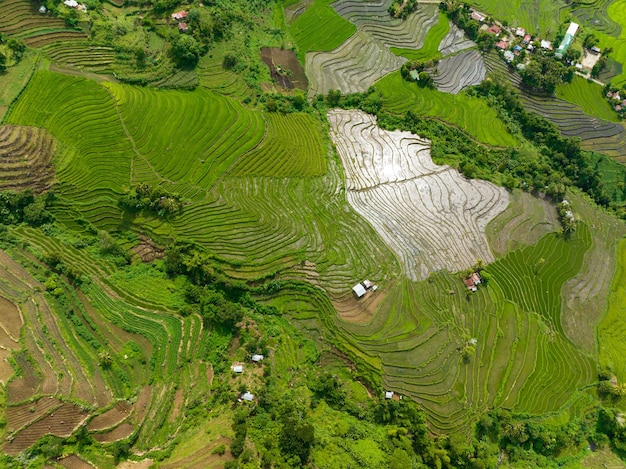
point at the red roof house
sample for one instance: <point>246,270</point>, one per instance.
<point>493,29</point>
<point>502,45</point>
<point>179,15</point>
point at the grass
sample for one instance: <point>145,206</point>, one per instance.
<point>430,49</point>
<point>13,81</point>
<point>612,328</point>
<point>542,17</point>
<point>470,114</point>
<point>615,38</point>
<point>319,28</point>
<point>587,95</point>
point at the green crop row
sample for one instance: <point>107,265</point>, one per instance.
<point>430,49</point>
<point>473,115</point>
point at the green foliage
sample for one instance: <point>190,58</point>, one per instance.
<point>320,28</point>
<point>25,207</point>
<point>546,73</point>
<point>186,51</point>
<point>402,9</point>
<point>155,200</point>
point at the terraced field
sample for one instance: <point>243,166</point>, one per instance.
<point>26,158</point>
<point>540,17</point>
<point>470,114</point>
<point>588,95</point>
<point>612,328</point>
<point>374,19</point>
<point>20,19</point>
<point>319,28</point>
<point>455,41</point>
<point>594,14</point>
<point>431,216</point>
<point>430,48</point>
<point>351,68</point>
<point>609,36</point>
<point>420,329</point>
<point>459,71</point>
<point>596,134</point>
<point>82,55</point>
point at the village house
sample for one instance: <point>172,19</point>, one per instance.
<point>182,27</point>
<point>502,45</point>
<point>526,39</point>
<point>179,15</point>
<point>546,44</point>
<point>248,396</point>
<point>359,290</point>
<point>237,368</point>
<point>521,32</point>
<point>477,17</point>
<point>389,395</point>
<point>494,29</point>
<point>257,358</point>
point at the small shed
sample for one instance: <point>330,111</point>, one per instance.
<point>238,368</point>
<point>257,358</point>
<point>70,3</point>
<point>248,396</point>
<point>389,395</point>
<point>546,44</point>
<point>595,50</point>
<point>368,284</point>
<point>475,278</point>
<point>182,27</point>
<point>359,290</point>
<point>43,10</point>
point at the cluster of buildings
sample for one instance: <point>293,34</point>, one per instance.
<point>616,100</point>
<point>360,289</point>
<point>511,42</point>
<point>181,17</point>
<point>472,281</point>
<point>237,368</point>
<point>71,4</point>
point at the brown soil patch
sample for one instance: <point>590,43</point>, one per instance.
<point>22,415</point>
<point>25,158</point>
<point>10,318</point>
<point>111,417</point>
<point>360,311</point>
<point>6,370</point>
<point>210,374</point>
<point>24,387</point>
<point>143,402</point>
<point>179,400</point>
<point>285,68</point>
<point>62,422</point>
<point>118,433</point>
<point>74,462</point>
<point>147,250</point>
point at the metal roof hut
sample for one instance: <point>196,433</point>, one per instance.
<point>359,290</point>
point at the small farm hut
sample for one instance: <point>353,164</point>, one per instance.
<point>257,358</point>
<point>238,368</point>
<point>389,395</point>
<point>359,290</point>
<point>183,27</point>
<point>42,10</point>
<point>248,396</point>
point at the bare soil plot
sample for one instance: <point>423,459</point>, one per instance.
<point>25,158</point>
<point>459,71</point>
<point>179,400</point>
<point>22,415</point>
<point>62,422</point>
<point>74,462</point>
<point>285,68</point>
<point>26,385</point>
<point>10,318</point>
<point>352,67</point>
<point>112,417</point>
<point>431,216</point>
<point>118,433</point>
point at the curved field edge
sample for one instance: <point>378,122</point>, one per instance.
<point>472,115</point>
<point>319,28</point>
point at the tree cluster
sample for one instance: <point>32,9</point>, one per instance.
<point>25,207</point>
<point>402,8</point>
<point>153,200</point>
<point>11,51</point>
<point>545,72</point>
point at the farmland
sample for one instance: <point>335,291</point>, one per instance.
<point>439,218</point>
<point>124,322</point>
<point>470,114</point>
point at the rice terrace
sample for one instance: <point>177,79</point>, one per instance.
<point>312,234</point>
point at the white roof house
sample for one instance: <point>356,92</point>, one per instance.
<point>389,395</point>
<point>257,358</point>
<point>238,368</point>
<point>248,396</point>
<point>70,3</point>
<point>42,9</point>
<point>367,284</point>
<point>546,44</point>
<point>359,290</point>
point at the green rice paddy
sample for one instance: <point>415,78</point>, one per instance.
<point>320,28</point>
<point>430,50</point>
<point>588,95</point>
<point>470,114</point>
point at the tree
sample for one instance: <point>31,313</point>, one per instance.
<point>186,51</point>
<point>333,98</point>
